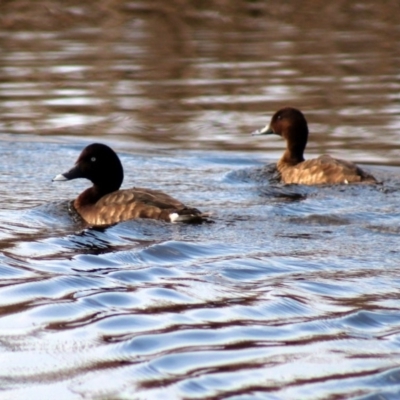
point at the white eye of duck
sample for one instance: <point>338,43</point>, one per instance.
<point>93,159</point>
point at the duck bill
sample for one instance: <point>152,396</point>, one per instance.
<point>73,173</point>
<point>267,130</point>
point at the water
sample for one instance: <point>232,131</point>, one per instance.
<point>292,291</point>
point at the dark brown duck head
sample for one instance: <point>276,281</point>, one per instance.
<point>291,124</point>
<point>101,165</point>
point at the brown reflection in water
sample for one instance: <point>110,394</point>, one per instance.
<point>202,74</point>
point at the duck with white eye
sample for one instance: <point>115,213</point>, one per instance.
<point>291,125</point>
<point>105,204</point>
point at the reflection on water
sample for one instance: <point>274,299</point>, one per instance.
<point>201,77</point>
<point>291,294</point>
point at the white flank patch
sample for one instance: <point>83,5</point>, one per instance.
<point>60,177</point>
<point>174,217</point>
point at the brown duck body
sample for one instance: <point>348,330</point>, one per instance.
<point>291,124</point>
<point>323,170</point>
<point>104,204</point>
<point>134,203</point>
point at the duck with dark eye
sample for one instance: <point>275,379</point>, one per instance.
<point>104,204</point>
<point>291,124</point>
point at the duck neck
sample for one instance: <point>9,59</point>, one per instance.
<point>296,141</point>
<point>92,195</point>
<point>293,154</point>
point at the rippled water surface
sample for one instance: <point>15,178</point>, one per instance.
<point>292,292</point>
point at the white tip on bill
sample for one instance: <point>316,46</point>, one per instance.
<point>260,131</point>
<point>60,177</point>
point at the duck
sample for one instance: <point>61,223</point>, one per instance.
<point>105,203</point>
<point>291,125</point>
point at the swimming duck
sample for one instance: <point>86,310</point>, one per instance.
<point>105,204</point>
<point>291,124</point>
